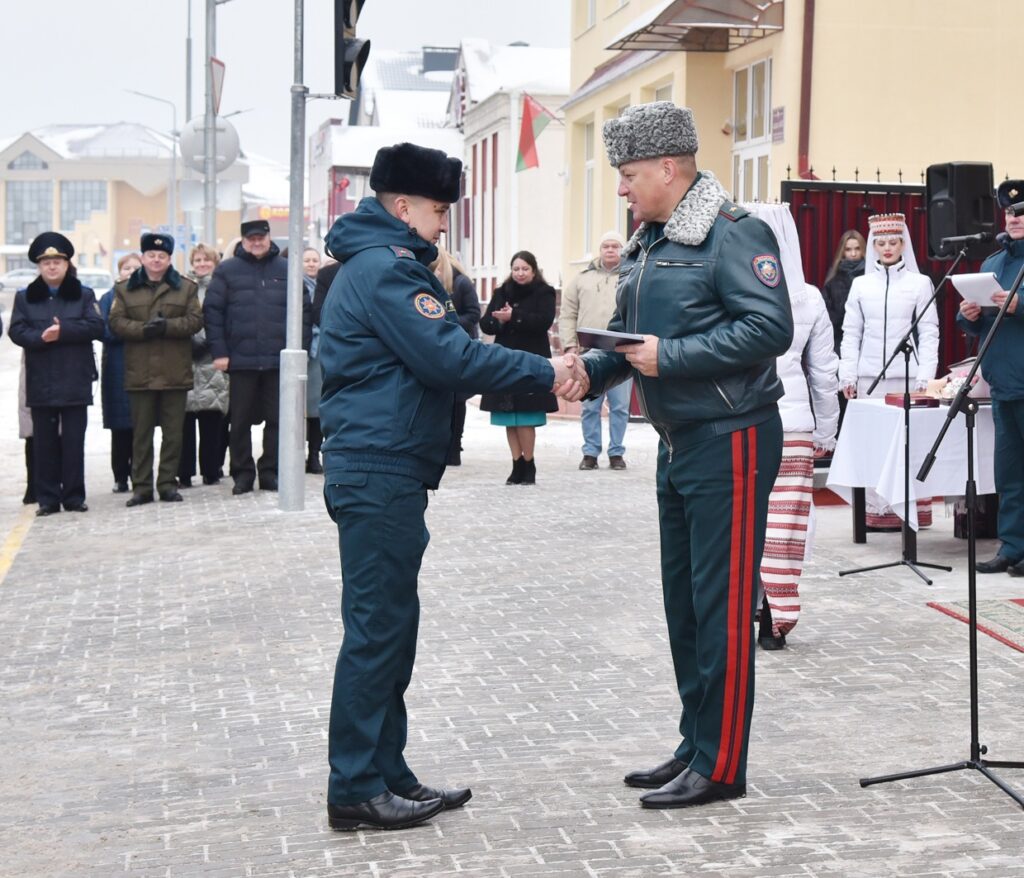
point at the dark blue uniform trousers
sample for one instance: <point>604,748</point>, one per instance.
<point>382,536</point>
<point>1008,452</point>
<point>713,506</point>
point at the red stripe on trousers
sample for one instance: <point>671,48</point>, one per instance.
<point>732,616</point>
<point>746,601</point>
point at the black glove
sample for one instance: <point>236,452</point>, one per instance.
<point>154,328</point>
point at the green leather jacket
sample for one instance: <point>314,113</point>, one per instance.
<point>710,286</point>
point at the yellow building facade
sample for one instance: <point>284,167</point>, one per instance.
<point>873,89</point>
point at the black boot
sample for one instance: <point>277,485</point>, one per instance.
<point>516,476</point>
<point>529,472</point>
<point>30,481</point>
<point>765,635</point>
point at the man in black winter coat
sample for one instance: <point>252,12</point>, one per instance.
<point>245,314</point>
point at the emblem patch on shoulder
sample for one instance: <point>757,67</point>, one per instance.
<point>402,252</point>
<point>428,306</point>
<point>766,268</point>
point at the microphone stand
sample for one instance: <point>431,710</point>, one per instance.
<point>977,750</point>
<point>908,554</point>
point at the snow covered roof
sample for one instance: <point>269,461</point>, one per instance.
<point>414,108</point>
<point>268,181</point>
<point>354,146</point>
<point>117,140</point>
<point>492,69</point>
<point>404,71</point>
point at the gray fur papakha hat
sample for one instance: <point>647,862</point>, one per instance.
<point>647,131</point>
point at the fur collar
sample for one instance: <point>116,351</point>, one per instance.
<point>38,291</point>
<point>138,278</point>
<point>693,217</point>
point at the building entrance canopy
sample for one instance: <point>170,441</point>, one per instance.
<point>701,25</point>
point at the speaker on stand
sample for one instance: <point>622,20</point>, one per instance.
<point>961,201</point>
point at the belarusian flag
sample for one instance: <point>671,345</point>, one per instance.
<point>535,120</point>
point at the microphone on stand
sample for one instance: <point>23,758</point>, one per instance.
<point>980,237</point>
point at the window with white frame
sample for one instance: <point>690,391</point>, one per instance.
<point>588,185</point>
<point>29,209</point>
<point>751,133</point>
<point>79,198</point>
<point>663,92</point>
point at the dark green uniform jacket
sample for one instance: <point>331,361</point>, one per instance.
<point>394,356</point>
<point>710,286</point>
<point>163,363</point>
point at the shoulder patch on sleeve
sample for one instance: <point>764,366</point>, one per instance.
<point>402,252</point>
<point>731,212</point>
<point>428,306</point>
<point>766,269</point>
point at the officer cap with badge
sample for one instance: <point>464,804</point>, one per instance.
<point>50,245</point>
<point>1010,192</point>
<point>408,169</point>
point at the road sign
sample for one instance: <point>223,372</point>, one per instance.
<point>217,75</point>
<point>193,144</point>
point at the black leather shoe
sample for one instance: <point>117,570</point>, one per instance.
<point>77,507</point>
<point>211,480</point>
<point>170,497</point>
<point>120,488</point>
<point>998,564</point>
<point>43,511</point>
<point>242,488</point>
<point>771,642</point>
<point>268,483</point>
<point>185,482</point>
<point>139,500</point>
<point>313,467</point>
<point>653,778</point>
<point>386,811</point>
<point>1016,569</point>
<point>588,462</point>
<point>455,798</point>
<point>691,789</point>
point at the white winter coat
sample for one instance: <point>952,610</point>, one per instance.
<point>808,372</point>
<point>879,311</point>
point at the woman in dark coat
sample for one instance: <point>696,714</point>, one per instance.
<point>56,320</point>
<point>519,315</point>
<point>847,264</point>
<point>117,412</point>
<point>467,307</point>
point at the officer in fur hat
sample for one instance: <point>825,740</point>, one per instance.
<point>706,278</point>
<point>1003,369</point>
<point>393,357</point>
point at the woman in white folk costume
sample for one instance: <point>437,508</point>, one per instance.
<point>810,418</point>
<point>882,304</point>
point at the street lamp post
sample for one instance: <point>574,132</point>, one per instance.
<point>172,181</point>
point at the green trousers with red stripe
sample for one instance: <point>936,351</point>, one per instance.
<point>713,507</point>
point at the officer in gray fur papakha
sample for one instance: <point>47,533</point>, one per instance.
<point>394,356</point>
<point>705,276</point>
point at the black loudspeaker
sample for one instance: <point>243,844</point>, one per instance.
<point>961,201</point>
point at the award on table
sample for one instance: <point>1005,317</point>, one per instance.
<point>606,339</point>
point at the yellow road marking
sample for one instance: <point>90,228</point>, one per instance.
<point>13,542</point>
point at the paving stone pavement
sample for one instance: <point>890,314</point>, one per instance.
<point>166,672</point>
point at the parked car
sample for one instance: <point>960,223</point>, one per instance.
<point>17,279</point>
<point>97,281</point>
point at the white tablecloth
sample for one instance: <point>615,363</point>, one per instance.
<point>869,453</point>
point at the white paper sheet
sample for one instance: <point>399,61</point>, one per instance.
<point>978,288</point>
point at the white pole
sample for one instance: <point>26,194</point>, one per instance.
<point>292,419</point>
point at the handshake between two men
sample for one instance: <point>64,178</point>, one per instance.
<point>572,382</point>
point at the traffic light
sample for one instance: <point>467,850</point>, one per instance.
<point>350,54</point>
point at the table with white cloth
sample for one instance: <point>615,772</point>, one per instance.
<point>869,454</point>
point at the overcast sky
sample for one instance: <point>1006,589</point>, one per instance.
<point>69,61</point>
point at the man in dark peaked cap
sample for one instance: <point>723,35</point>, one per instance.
<point>1003,369</point>
<point>393,357</point>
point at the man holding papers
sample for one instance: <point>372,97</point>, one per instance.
<point>1003,369</point>
<point>701,281</point>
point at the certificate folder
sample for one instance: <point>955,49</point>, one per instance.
<point>606,339</point>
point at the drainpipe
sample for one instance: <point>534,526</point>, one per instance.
<point>807,65</point>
